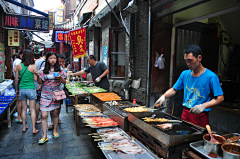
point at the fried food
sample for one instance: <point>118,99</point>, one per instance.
<point>155,119</point>
<point>136,109</point>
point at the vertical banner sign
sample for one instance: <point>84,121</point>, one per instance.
<point>13,38</point>
<point>51,16</point>
<point>1,62</point>
<point>78,42</point>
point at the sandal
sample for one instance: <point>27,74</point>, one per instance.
<point>25,129</point>
<point>36,131</point>
<point>19,120</point>
<point>42,141</point>
<point>50,127</point>
<point>60,122</point>
<point>56,135</point>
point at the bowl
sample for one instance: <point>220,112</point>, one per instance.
<point>231,151</point>
<point>213,147</point>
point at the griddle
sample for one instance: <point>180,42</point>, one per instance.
<point>166,143</point>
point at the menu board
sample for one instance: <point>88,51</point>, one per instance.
<point>2,64</point>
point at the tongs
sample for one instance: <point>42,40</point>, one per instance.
<point>159,110</point>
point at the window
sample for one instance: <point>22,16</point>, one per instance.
<point>117,53</point>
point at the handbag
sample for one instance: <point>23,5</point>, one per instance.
<point>59,95</point>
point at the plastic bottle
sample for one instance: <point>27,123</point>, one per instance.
<point>134,101</point>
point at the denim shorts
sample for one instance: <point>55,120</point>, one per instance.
<point>25,94</point>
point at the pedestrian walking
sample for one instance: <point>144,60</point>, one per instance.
<point>40,63</point>
<point>17,61</point>
<point>27,90</point>
<point>50,83</point>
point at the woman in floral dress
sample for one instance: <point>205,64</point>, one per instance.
<point>50,84</point>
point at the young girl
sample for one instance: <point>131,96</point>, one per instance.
<point>50,84</point>
<point>27,89</point>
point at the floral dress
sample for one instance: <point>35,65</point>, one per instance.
<point>50,84</point>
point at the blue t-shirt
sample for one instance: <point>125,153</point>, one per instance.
<point>198,90</point>
<point>97,71</point>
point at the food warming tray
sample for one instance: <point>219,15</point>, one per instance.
<point>104,129</point>
<point>110,154</point>
<point>198,146</point>
<point>103,116</point>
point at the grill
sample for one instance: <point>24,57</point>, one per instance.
<point>117,115</point>
<point>165,143</point>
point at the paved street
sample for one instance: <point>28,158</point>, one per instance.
<point>16,144</point>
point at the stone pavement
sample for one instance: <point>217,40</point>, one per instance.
<point>16,144</point>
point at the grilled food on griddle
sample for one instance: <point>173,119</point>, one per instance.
<point>136,109</point>
<point>155,119</point>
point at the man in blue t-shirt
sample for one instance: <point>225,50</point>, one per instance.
<point>201,88</point>
<point>98,71</point>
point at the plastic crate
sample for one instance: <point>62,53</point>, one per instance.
<point>69,101</point>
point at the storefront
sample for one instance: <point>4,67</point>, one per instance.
<point>213,26</point>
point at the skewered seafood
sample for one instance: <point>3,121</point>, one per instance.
<point>87,108</point>
<point>155,119</point>
<point>100,122</point>
<point>136,109</point>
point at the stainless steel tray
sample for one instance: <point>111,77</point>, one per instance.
<point>103,116</point>
<point>198,146</point>
<point>109,154</point>
<point>104,129</point>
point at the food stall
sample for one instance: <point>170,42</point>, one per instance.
<point>7,100</point>
<point>156,133</point>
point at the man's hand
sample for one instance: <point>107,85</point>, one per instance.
<point>160,101</point>
<point>36,73</point>
<point>17,93</point>
<point>39,88</point>
<point>98,79</point>
<point>197,109</point>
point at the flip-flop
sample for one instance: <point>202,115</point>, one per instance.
<point>26,129</point>
<point>50,127</point>
<point>60,122</point>
<point>42,141</point>
<point>19,120</point>
<point>36,131</point>
<point>56,135</point>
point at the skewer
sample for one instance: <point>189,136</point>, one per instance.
<point>93,134</point>
<point>97,136</point>
<point>108,149</point>
<point>98,139</point>
<point>105,146</point>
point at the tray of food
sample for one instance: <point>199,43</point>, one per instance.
<point>99,121</point>
<point>110,134</point>
<point>107,96</point>
<point>87,108</point>
<point>83,114</point>
<point>125,149</point>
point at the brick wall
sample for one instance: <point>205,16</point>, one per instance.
<point>140,55</point>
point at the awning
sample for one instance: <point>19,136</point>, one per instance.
<point>156,4</point>
<point>4,6</point>
<point>37,35</point>
<point>84,18</point>
<point>27,7</point>
<point>104,12</point>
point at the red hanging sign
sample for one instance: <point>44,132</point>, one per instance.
<point>78,42</point>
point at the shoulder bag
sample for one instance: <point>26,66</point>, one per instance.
<point>59,95</point>
<point>19,78</point>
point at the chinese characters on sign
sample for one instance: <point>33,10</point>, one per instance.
<point>51,49</point>
<point>51,16</point>
<point>24,22</point>
<point>13,38</point>
<point>78,42</point>
<point>62,36</point>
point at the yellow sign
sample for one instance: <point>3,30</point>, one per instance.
<point>60,13</point>
<point>60,6</point>
<point>13,38</point>
<point>51,16</point>
<point>60,19</point>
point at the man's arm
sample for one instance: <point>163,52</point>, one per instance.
<point>34,75</point>
<point>80,73</point>
<point>214,102</point>
<point>104,73</point>
<point>169,93</point>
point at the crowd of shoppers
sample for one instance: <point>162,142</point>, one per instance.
<point>37,82</point>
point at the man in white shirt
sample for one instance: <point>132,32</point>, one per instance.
<point>17,61</point>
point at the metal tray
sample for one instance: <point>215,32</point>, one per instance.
<point>109,154</point>
<point>198,146</point>
<point>103,116</point>
<point>104,129</point>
